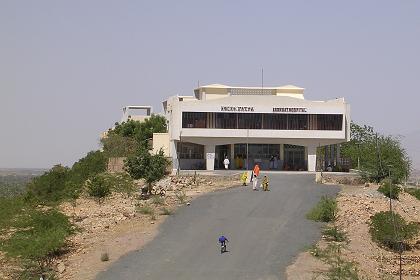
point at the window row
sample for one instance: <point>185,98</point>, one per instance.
<point>262,121</point>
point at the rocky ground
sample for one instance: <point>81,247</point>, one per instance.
<point>357,203</point>
<point>121,224</point>
<point>356,206</point>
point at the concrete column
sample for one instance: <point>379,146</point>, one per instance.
<point>282,152</point>
<point>311,158</point>
<point>339,153</point>
<point>174,155</point>
<point>232,157</point>
<point>210,153</point>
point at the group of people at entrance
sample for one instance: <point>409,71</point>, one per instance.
<point>240,163</point>
<point>254,179</point>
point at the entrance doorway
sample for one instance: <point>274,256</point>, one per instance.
<point>267,156</point>
<point>294,158</point>
<point>221,152</point>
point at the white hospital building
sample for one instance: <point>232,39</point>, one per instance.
<point>275,127</point>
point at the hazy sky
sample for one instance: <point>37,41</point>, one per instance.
<point>67,67</point>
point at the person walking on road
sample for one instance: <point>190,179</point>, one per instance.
<point>256,170</point>
<point>244,178</point>
<point>265,183</point>
<point>255,183</point>
<point>255,173</point>
<point>226,162</point>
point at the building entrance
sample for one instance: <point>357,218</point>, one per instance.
<point>294,158</point>
<point>267,156</point>
<point>221,152</point>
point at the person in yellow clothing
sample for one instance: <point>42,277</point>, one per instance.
<point>244,178</point>
<point>265,183</point>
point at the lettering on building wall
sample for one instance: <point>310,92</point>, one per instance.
<point>236,109</point>
<point>288,110</point>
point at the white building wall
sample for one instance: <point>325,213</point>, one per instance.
<point>161,141</point>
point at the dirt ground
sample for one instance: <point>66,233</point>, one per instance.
<point>356,205</point>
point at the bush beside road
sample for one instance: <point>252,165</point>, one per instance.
<point>359,206</point>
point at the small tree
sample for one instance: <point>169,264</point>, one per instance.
<point>116,145</point>
<point>389,189</point>
<point>49,187</point>
<point>379,155</point>
<point>98,187</point>
<point>388,229</point>
<point>140,131</point>
<point>146,166</point>
<point>153,124</point>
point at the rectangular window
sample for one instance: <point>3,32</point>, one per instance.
<point>329,122</point>
<point>262,121</point>
<point>250,121</point>
<point>275,121</point>
<point>194,120</point>
<point>297,121</point>
<point>226,120</point>
<point>190,150</point>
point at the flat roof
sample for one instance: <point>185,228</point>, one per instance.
<point>226,86</point>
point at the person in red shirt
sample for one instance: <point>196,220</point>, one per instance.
<point>255,174</point>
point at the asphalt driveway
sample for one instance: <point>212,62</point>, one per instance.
<point>266,230</point>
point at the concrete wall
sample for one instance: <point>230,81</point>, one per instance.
<point>161,141</point>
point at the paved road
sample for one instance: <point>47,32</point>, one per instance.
<point>266,230</point>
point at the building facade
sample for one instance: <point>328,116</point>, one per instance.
<point>275,127</point>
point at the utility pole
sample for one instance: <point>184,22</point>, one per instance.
<point>390,187</point>
<point>358,156</point>
<point>401,260</point>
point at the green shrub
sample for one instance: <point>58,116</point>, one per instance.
<point>61,183</point>
<point>121,183</point>
<point>158,200</point>
<point>339,269</point>
<point>144,165</point>
<point>414,192</point>
<point>389,189</point>
<point>93,163</point>
<point>146,210</point>
<point>115,145</point>
<point>49,187</point>
<point>388,229</point>
<point>98,187</point>
<point>181,196</point>
<point>141,131</point>
<point>166,211</point>
<point>9,209</point>
<point>324,211</point>
<point>334,234</point>
<point>39,236</point>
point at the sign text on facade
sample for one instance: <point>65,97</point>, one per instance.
<point>236,109</point>
<point>289,110</point>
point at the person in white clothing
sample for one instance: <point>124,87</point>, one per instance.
<point>226,162</point>
<point>254,183</point>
